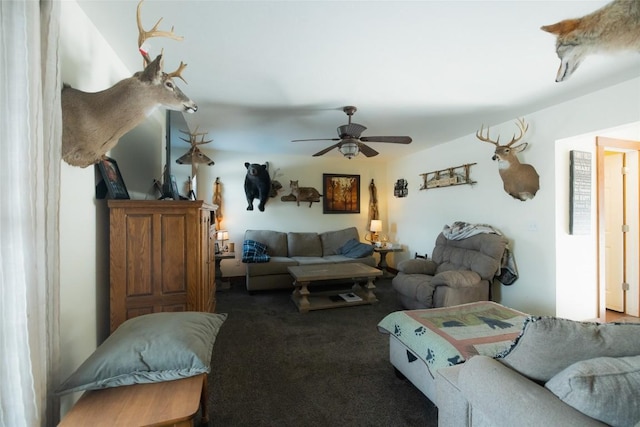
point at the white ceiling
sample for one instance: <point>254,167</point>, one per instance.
<point>266,72</point>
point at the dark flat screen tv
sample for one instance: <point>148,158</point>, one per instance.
<point>169,185</point>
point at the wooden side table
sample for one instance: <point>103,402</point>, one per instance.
<point>222,285</point>
<point>169,403</point>
<point>382,265</point>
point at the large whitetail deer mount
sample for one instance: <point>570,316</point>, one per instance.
<point>92,123</point>
<point>521,181</point>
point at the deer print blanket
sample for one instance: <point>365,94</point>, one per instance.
<point>450,335</point>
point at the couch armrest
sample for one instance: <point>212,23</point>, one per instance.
<point>456,279</point>
<point>417,266</point>
<point>503,397</point>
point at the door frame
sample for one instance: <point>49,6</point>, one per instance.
<point>602,143</point>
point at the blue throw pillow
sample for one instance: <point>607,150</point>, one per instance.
<point>253,251</point>
<point>356,249</point>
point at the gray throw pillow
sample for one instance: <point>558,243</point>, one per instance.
<point>604,388</point>
<point>547,345</point>
<point>150,348</point>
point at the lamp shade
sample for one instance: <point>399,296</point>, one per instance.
<point>223,235</point>
<point>349,149</point>
<point>376,225</point>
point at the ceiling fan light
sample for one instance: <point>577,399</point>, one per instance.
<point>349,149</point>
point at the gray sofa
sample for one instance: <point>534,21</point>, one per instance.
<point>296,248</point>
<point>558,373</point>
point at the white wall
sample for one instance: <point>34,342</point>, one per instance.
<point>89,64</point>
<point>287,216</point>
<point>548,283</point>
<point>574,284</point>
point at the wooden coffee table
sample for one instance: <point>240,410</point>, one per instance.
<point>305,274</point>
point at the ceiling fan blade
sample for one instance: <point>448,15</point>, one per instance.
<point>366,150</point>
<point>392,139</point>
<point>316,139</point>
<point>326,150</point>
<point>353,130</point>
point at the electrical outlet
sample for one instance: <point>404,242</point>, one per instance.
<point>237,263</point>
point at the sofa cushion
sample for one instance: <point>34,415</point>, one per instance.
<point>604,388</point>
<point>304,244</point>
<point>547,345</point>
<point>254,252</point>
<point>276,241</point>
<point>418,266</point>
<point>276,265</point>
<point>310,260</point>
<point>340,259</point>
<point>354,249</point>
<point>150,348</point>
<point>332,241</point>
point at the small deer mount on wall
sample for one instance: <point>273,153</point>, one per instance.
<point>521,181</point>
<point>93,123</point>
<point>301,194</point>
<point>194,155</point>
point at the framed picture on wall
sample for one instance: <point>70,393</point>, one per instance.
<point>112,180</point>
<point>341,193</point>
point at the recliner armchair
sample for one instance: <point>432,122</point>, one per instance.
<point>458,272</point>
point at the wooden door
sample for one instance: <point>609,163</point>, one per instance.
<point>614,238</point>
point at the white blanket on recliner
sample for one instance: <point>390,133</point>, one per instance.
<point>460,230</point>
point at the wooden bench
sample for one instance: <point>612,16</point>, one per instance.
<point>168,403</point>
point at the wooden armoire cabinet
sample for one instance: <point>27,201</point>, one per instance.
<point>162,257</point>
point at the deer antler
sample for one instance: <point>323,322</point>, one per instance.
<point>193,137</point>
<point>178,72</point>
<point>523,127</point>
<point>154,32</point>
<point>487,138</point>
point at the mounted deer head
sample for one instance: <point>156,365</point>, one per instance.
<point>92,123</point>
<point>194,155</point>
<point>520,180</point>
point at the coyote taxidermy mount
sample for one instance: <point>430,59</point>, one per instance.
<point>614,27</point>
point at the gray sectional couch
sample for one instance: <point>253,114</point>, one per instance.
<point>287,249</point>
<point>558,373</point>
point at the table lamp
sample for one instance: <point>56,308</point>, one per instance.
<point>375,228</point>
<point>223,235</point>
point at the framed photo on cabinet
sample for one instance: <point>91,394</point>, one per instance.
<point>112,180</point>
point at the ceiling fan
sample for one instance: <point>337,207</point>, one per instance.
<point>350,143</point>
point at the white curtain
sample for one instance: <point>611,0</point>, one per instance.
<point>30,135</point>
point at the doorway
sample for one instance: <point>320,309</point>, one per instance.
<point>618,222</point>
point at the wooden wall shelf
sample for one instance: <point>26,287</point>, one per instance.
<point>456,175</point>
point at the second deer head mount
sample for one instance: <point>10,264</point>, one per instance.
<point>194,155</point>
<point>521,181</point>
<point>93,123</point>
